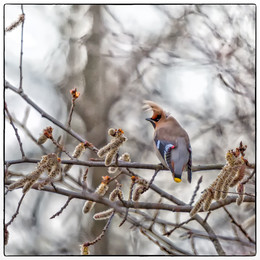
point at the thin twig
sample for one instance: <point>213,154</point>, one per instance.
<point>16,132</point>
<point>129,199</point>
<point>71,112</point>
<point>16,212</point>
<point>196,190</point>
<point>248,178</point>
<point>60,147</point>
<point>21,53</point>
<point>152,179</point>
<point>206,218</point>
<point>238,225</point>
<point>102,233</point>
<point>168,233</point>
<point>193,245</point>
<point>49,117</point>
<point>62,208</point>
<point>155,215</point>
<point>156,242</point>
<point>84,181</point>
<point>27,131</point>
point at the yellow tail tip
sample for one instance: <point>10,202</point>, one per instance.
<point>177,179</point>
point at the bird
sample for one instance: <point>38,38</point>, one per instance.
<point>171,141</point>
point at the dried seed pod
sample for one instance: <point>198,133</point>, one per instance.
<point>103,214</point>
<point>88,206</point>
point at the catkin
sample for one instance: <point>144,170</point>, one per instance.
<point>103,214</point>
<point>115,194</point>
<point>239,176</point>
<point>198,205</point>
<point>220,181</point>
<point>42,139</point>
<point>49,163</point>
<point>137,192</point>
<point>227,182</point>
<point>111,149</point>
<point>110,156</point>
<point>208,199</point>
<point>17,184</point>
<point>88,206</point>
<point>79,149</point>
<point>124,157</point>
<point>101,190</point>
<point>84,250</point>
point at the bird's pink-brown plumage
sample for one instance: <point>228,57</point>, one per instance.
<point>171,141</point>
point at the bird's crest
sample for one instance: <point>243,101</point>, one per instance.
<point>157,110</point>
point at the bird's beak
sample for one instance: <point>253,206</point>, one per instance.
<point>151,121</point>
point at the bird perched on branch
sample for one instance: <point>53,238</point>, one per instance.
<point>171,141</point>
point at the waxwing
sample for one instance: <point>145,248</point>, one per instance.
<point>171,141</point>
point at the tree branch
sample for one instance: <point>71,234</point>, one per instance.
<point>46,115</point>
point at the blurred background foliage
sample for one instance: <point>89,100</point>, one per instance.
<point>196,61</point>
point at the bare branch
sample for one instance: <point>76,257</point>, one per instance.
<point>238,225</point>
<point>16,132</point>
<point>62,208</point>
<point>16,212</point>
<point>49,117</point>
<point>195,191</point>
<point>21,52</point>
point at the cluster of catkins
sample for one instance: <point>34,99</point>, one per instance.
<point>49,163</point>
<point>101,191</point>
<point>110,150</point>
<point>231,174</point>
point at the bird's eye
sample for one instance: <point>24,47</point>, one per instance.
<point>157,118</point>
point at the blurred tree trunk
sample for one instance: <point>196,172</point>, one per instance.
<point>95,102</point>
